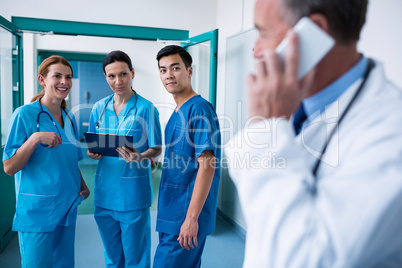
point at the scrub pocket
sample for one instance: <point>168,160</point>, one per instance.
<point>136,192</point>
<point>35,212</point>
<point>173,202</point>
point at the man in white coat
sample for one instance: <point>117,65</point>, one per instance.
<point>342,208</point>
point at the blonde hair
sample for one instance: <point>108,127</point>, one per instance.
<point>44,70</point>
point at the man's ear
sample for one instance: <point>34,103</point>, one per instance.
<point>190,71</point>
<point>321,21</point>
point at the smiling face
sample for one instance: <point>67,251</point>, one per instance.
<point>119,77</point>
<point>174,75</point>
<point>57,82</point>
<point>271,26</point>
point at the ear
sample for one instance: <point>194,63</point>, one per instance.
<point>133,73</point>
<point>41,80</point>
<point>321,21</point>
<point>190,71</point>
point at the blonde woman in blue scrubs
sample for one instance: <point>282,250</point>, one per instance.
<point>123,192</point>
<point>42,152</point>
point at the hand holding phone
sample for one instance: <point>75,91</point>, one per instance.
<point>314,44</point>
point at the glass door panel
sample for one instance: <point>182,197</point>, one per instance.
<point>7,79</point>
<point>201,64</point>
<point>204,51</point>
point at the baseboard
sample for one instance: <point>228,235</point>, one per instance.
<point>238,229</point>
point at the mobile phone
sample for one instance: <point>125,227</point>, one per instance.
<point>314,45</point>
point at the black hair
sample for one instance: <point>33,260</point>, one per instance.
<point>117,55</point>
<point>173,49</point>
<point>345,17</point>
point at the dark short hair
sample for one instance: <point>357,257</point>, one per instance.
<point>117,55</point>
<point>173,49</point>
<point>345,17</point>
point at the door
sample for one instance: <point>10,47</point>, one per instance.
<point>204,51</point>
<point>10,99</point>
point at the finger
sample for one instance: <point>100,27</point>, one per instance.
<point>85,194</point>
<point>53,143</point>
<point>124,148</point>
<point>260,69</point>
<point>134,150</point>
<point>195,241</point>
<point>96,156</point>
<point>250,81</point>
<point>292,56</point>
<point>272,63</point>
<point>185,243</point>
<point>180,239</point>
<point>307,81</point>
<point>190,242</point>
<point>121,152</point>
<point>59,140</point>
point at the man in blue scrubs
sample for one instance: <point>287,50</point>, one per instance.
<point>190,176</point>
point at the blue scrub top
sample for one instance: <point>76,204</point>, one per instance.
<point>190,131</point>
<point>119,185</point>
<point>48,186</point>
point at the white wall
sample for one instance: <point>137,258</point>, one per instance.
<point>196,16</point>
<point>192,15</point>
<point>234,16</point>
<point>382,36</point>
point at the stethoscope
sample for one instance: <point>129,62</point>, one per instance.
<point>99,122</point>
<point>370,66</point>
<point>51,119</point>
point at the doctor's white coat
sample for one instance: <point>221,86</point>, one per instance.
<point>352,215</point>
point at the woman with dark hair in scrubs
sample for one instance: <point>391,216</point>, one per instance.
<point>123,192</point>
<point>42,152</point>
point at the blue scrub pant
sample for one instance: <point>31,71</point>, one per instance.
<point>126,237</point>
<point>170,254</point>
<point>54,249</point>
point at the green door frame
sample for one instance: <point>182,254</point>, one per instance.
<point>211,36</point>
<point>97,29</point>
<point>130,32</point>
<point>74,28</point>
<point>71,56</point>
<point>7,185</point>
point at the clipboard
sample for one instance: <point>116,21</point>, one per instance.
<point>106,144</point>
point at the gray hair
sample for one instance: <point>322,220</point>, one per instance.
<point>345,17</point>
